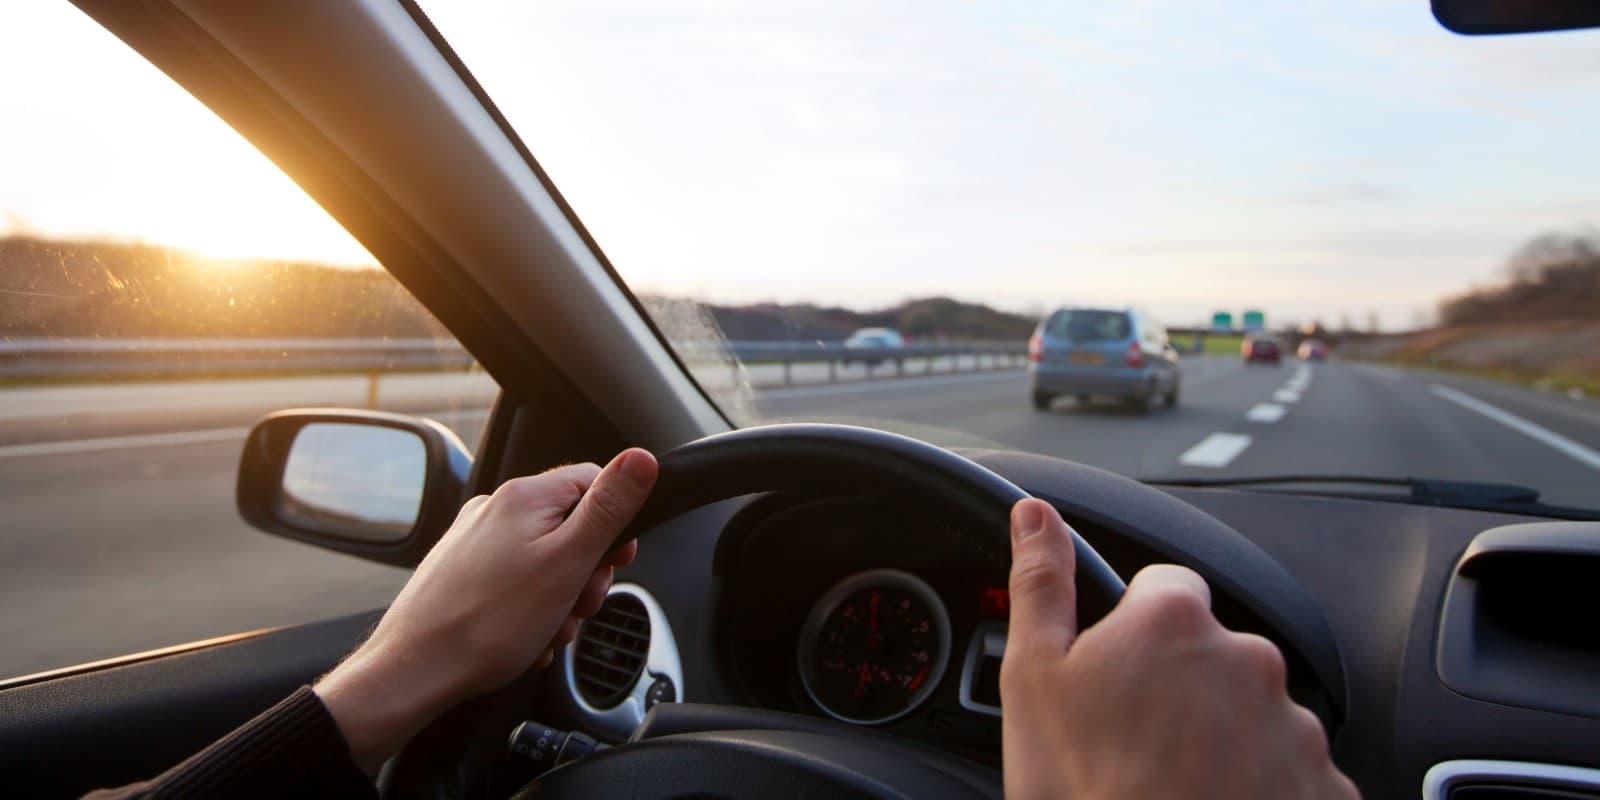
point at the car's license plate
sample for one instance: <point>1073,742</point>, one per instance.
<point>1084,358</point>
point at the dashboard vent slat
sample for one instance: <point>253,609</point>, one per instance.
<point>611,650</point>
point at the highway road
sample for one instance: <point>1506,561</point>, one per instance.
<point>119,532</point>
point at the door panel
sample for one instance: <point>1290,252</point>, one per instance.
<point>120,724</point>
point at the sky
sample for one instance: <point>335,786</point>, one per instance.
<point>1317,161</point>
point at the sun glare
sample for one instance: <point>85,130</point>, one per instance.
<point>170,174</point>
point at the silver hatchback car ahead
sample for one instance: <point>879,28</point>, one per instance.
<point>1096,351</point>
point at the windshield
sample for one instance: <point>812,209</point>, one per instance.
<point>1152,181</point>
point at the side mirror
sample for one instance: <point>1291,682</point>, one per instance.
<point>1477,17</point>
<point>383,487</point>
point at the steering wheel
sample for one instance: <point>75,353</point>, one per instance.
<point>727,752</point>
<point>844,459</point>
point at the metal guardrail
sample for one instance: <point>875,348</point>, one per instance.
<point>57,358</point>
<point>81,358</point>
<point>955,357</point>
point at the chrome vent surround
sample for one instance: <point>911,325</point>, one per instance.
<point>1509,778</point>
<point>611,650</point>
<point>633,651</point>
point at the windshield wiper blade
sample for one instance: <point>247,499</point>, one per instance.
<point>1479,496</point>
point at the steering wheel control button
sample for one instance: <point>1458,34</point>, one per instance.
<point>546,748</point>
<point>662,691</point>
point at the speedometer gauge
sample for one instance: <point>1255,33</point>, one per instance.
<point>874,646</point>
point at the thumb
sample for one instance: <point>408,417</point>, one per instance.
<point>1044,607</point>
<point>610,503</point>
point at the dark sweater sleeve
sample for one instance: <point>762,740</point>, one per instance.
<point>292,749</point>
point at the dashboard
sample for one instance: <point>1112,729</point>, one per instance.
<point>771,600</point>
<point>801,576</point>
<point>803,580</point>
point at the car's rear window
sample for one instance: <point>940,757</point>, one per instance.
<point>1089,326</point>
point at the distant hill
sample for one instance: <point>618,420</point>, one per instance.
<point>62,288</point>
<point>1553,277</point>
<point>114,290</point>
<point>937,318</point>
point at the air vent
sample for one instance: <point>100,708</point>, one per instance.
<point>610,651</point>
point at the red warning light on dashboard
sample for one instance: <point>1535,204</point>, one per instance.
<point>994,601</point>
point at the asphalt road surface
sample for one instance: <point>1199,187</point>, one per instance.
<point>119,532</point>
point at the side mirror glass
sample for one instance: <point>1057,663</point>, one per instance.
<point>381,486</point>
<point>364,481</point>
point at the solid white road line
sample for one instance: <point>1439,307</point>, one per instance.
<point>1265,412</point>
<point>176,438</point>
<point>1286,396</point>
<point>122,442</point>
<point>1217,450</point>
<point>1516,423</point>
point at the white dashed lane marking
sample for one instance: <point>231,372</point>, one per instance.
<point>1217,450</point>
<point>1286,396</point>
<point>1265,412</point>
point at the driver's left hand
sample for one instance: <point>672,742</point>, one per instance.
<point>503,589</point>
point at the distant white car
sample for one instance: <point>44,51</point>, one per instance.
<point>874,339</point>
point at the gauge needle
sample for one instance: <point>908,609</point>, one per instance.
<point>917,681</point>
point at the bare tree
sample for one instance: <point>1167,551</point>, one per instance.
<point>1553,276</point>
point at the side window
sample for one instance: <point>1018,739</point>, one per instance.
<point>164,285</point>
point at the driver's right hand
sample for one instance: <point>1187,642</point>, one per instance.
<point>1157,700</point>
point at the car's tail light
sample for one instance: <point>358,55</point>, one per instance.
<point>1035,347</point>
<point>1135,355</point>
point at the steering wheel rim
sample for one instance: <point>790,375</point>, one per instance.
<point>845,459</point>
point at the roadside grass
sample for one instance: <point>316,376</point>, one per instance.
<point>1216,344</point>
<point>1547,355</point>
<point>1586,385</point>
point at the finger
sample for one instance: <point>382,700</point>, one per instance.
<point>545,659</point>
<point>1176,596</point>
<point>1044,612</point>
<point>565,634</point>
<point>593,594</point>
<point>558,489</point>
<point>615,496</point>
<point>623,556</point>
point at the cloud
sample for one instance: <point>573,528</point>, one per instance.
<point>1341,194</point>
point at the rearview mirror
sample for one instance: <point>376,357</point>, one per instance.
<point>1474,17</point>
<point>379,486</point>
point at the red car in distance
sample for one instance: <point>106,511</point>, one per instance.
<point>1261,347</point>
<point>1313,350</point>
